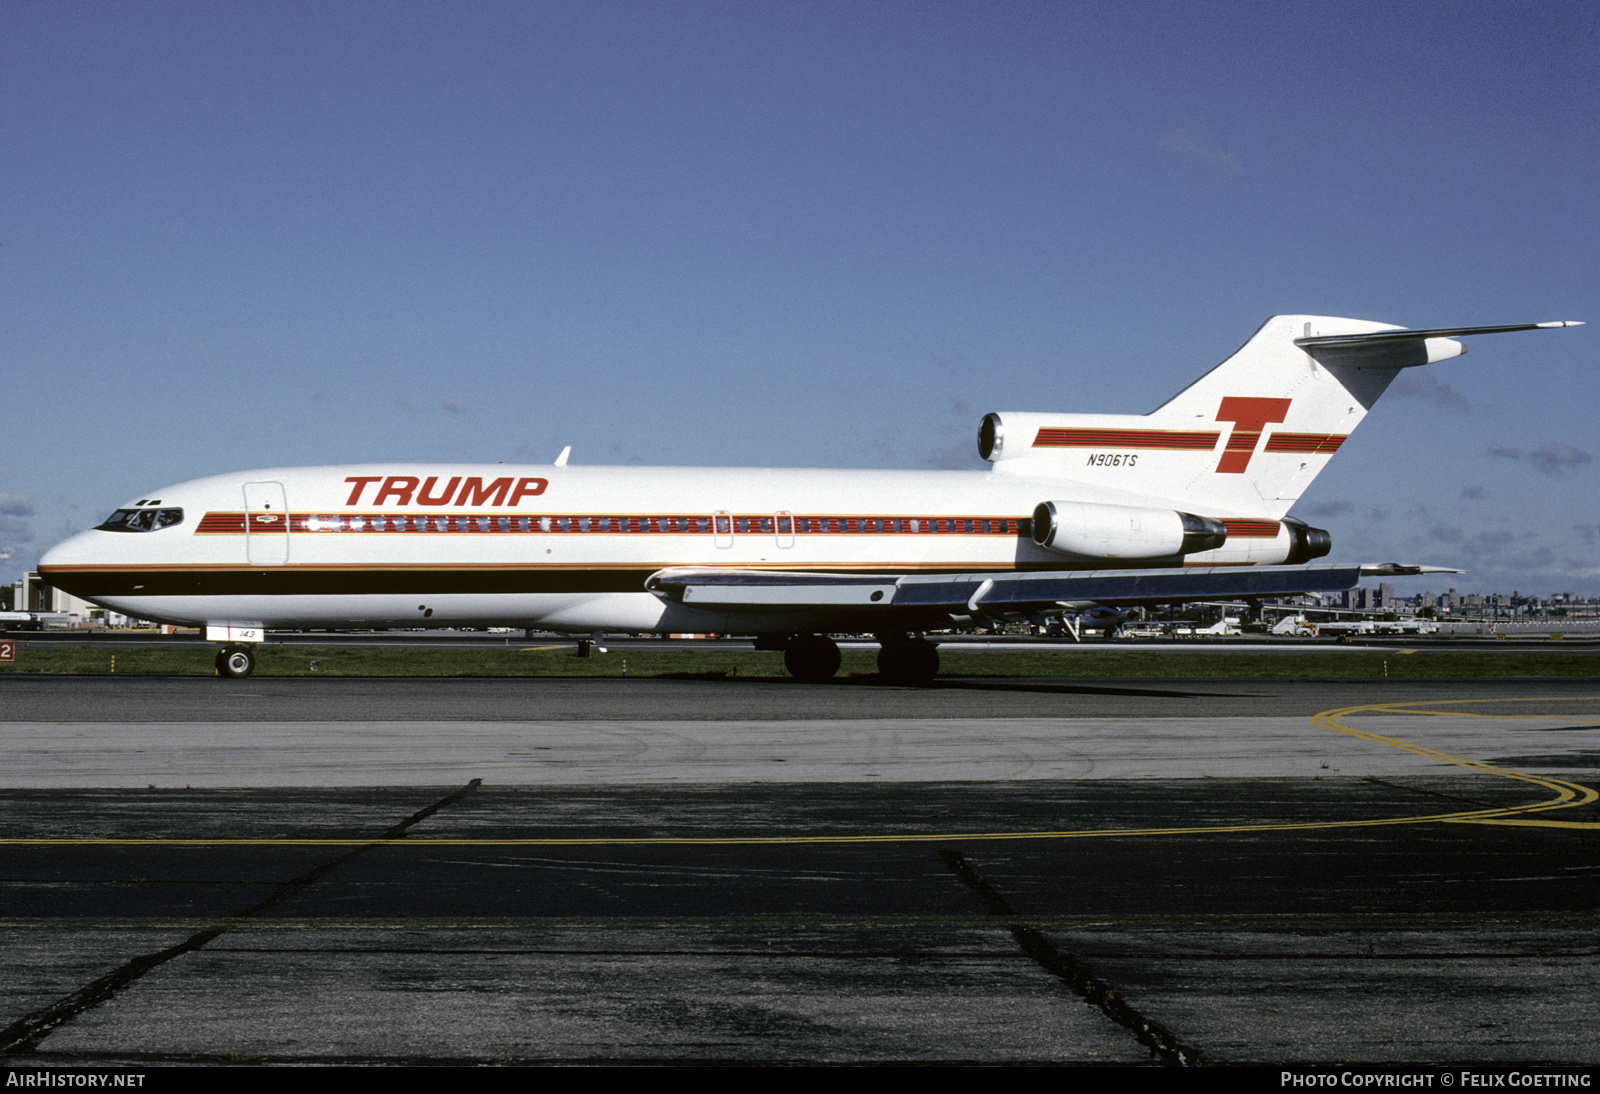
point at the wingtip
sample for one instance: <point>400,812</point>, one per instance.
<point>1561,323</point>
<point>1404,569</point>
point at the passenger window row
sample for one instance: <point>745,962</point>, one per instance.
<point>721,524</point>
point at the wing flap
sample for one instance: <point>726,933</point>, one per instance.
<point>764,589</point>
<point>1011,591</point>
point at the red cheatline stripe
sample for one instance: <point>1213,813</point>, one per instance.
<point>222,523</point>
<point>1126,438</point>
<point>233,524</point>
<point>1251,529</point>
<point>1305,442</point>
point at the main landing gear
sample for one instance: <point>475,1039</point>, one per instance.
<point>907,661</point>
<point>235,661</point>
<point>903,660</point>
<point>812,658</point>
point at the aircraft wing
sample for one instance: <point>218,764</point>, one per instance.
<point>1003,593</point>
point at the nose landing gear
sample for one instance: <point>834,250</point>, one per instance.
<point>235,661</point>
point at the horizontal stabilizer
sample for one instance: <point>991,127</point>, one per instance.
<point>1376,338</point>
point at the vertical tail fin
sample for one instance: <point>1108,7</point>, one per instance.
<point>1246,438</point>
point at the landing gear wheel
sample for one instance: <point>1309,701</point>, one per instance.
<point>812,658</point>
<point>235,662</point>
<point>909,662</point>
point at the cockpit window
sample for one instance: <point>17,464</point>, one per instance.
<point>141,520</point>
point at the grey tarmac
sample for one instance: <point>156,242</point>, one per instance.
<point>1131,872</point>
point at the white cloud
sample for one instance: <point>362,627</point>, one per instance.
<point>1417,384</point>
<point>1195,145</point>
<point>1554,459</point>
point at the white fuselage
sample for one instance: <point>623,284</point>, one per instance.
<point>561,548</point>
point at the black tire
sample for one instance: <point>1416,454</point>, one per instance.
<point>812,658</point>
<point>911,662</point>
<point>235,662</point>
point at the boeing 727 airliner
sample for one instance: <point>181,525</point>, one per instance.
<point>1188,502</point>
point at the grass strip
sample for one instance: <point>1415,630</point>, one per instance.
<point>539,659</point>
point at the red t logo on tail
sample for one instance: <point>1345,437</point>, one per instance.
<point>1249,416</point>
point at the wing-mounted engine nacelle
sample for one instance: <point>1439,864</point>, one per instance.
<point>1091,530</point>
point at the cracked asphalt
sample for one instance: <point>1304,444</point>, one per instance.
<point>1176,873</point>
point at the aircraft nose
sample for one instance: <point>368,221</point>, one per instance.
<point>64,565</point>
<point>70,551</point>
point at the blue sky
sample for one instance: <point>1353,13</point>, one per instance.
<point>805,234</point>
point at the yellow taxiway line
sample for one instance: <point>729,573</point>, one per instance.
<point>1567,795</point>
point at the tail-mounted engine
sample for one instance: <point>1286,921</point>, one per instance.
<point>1123,532</point>
<point>1306,542</point>
<point>1090,530</point>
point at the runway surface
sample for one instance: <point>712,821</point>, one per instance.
<point>1112,871</point>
